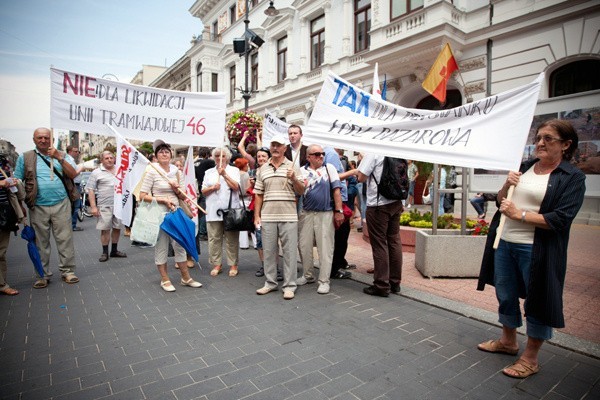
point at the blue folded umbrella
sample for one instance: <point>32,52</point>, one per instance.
<point>29,234</point>
<point>182,229</point>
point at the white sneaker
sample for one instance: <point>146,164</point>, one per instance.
<point>301,281</point>
<point>323,288</point>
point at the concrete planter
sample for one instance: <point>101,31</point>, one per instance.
<point>448,254</point>
<point>407,236</point>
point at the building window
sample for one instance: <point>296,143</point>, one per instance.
<point>317,42</point>
<point>402,7</point>
<point>232,84</point>
<point>362,25</point>
<point>215,29</point>
<point>575,77</point>
<point>214,82</point>
<point>281,59</point>
<point>254,71</point>
<point>199,77</point>
<point>232,15</point>
<point>253,3</point>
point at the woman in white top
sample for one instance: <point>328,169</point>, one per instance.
<point>531,259</point>
<point>166,193</point>
<point>220,183</point>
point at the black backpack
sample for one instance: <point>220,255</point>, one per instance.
<point>394,180</point>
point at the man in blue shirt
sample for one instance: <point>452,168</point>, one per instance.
<point>317,218</point>
<point>49,205</point>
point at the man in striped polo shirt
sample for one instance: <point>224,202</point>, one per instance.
<point>277,184</point>
<point>101,192</point>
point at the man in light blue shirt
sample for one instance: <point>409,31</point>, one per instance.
<point>42,171</point>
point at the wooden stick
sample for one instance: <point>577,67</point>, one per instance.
<point>51,159</point>
<point>500,228</point>
<point>161,173</point>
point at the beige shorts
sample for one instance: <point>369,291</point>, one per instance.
<point>107,220</point>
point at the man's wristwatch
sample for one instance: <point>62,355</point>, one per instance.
<point>339,211</point>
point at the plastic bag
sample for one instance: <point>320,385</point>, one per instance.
<point>146,225</point>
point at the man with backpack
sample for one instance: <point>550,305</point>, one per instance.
<point>385,176</point>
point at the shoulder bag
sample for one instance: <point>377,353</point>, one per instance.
<point>237,219</point>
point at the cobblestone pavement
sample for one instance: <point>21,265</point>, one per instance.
<point>117,335</point>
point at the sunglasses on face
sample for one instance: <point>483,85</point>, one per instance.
<point>317,154</point>
<point>547,139</point>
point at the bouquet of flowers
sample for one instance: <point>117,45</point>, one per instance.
<point>241,122</point>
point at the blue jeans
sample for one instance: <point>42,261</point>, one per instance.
<point>477,203</point>
<point>76,207</point>
<point>511,277</point>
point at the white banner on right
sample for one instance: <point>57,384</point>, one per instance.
<point>489,133</point>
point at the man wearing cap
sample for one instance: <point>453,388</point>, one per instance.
<point>101,192</point>
<point>277,184</point>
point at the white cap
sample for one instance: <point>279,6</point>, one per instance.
<point>157,143</point>
<point>279,139</point>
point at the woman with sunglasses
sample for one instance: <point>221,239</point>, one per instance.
<point>531,259</point>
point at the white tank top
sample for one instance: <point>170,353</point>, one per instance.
<point>528,196</point>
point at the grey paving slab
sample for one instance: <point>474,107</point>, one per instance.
<point>117,335</point>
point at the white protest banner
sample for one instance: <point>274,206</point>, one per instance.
<point>131,165</point>
<point>190,186</point>
<point>93,105</point>
<point>489,133</point>
<point>273,126</point>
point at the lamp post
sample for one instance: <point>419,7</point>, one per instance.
<point>251,39</point>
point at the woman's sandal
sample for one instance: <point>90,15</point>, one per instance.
<point>9,291</point>
<point>496,346</point>
<point>167,286</point>
<point>215,271</point>
<point>521,369</point>
<point>233,270</point>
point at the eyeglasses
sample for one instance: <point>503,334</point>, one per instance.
<point>547,139</point>
<point>265,149</point>
<point>317,154</point>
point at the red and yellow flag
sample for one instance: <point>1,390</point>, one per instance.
<point>440,72</point>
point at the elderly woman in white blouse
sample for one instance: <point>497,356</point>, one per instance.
<point>166,193</point>
<point>218,185</point>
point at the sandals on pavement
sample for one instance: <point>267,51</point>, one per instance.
<point>9,291</point>
<point>40,284</point>
<point>167,286</point>
<point>191,283</point>
<point>521,369</point>
<point>233,270</point>
<point>215,271</point>
<point>496,346</point>
<point>70,278</point>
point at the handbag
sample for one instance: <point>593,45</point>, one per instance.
<point>426,199</point>
<point>237,219</point>
<point>146,225</point>
<point>9,221</point>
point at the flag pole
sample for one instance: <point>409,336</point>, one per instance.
<point>52,160</point>
<point>500,228</point>
<point>161,173</point>
<point>469,98</point>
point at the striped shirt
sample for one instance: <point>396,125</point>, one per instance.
<point>279,198</point>
<point>157,186</point>
<point>102,182</point>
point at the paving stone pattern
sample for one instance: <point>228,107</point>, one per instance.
<point>117,335</point>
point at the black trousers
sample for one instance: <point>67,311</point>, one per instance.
<point>339,249</point>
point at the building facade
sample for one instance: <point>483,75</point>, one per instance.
<point>499,45</point>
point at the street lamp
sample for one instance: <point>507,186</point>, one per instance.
<point>245,46</point>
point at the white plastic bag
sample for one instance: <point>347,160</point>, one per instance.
<point>146,224</point>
